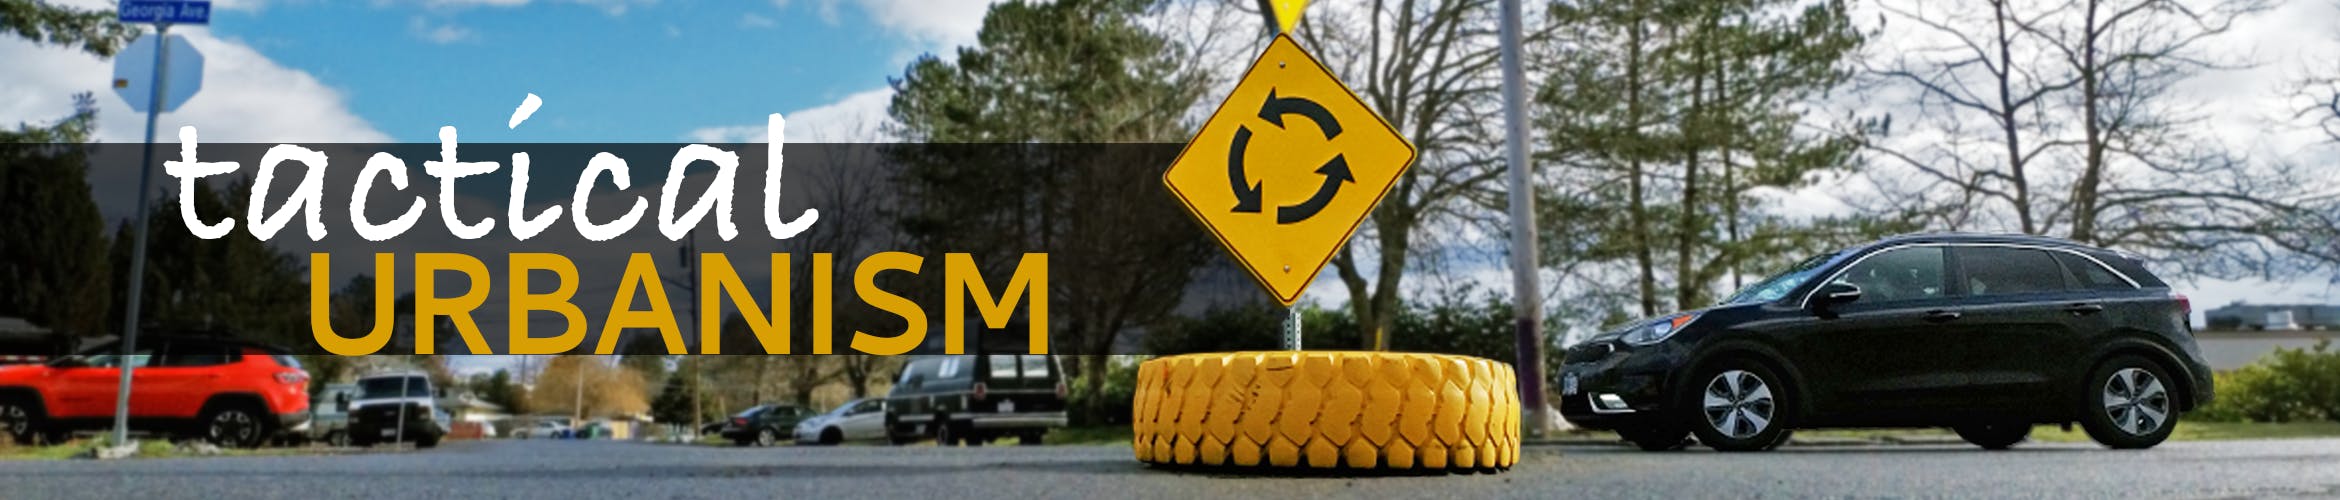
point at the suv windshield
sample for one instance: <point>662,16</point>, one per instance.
<point>1777,286</point>
<point>388,387</point>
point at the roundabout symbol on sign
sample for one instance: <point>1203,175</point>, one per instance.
<point>1335,171</point>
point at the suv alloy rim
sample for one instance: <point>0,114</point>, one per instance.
<point>2136,401</point>
<point>232,427</point>
<point>1738,404</point>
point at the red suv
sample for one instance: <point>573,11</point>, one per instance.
<point>227,392</point>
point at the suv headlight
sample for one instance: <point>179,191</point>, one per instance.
<point>1660,330</point>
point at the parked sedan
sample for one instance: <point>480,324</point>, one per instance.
<point>763,425</point>
<point>856,420</point>
<point>543,430</point>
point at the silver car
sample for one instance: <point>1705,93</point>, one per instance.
<point>856,420</point>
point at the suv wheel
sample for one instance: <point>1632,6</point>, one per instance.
<point>19,421</point>
<point>234,426</point>
<point>1031,438</point>
<point>1738,406</point>
<point>2128,404</point>
<point>337,439</point>
<point>944,435</point>
<point>1998,436</point>
<point>1661,438</point>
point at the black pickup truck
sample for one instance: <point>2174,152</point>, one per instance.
<point>974,399</point>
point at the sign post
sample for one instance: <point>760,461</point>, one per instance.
<point>158,96</point>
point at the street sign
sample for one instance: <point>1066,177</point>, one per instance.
<point>134,73</point>
<point>1282,14</point>
<point>164,11</point>
<point>1287,168</point>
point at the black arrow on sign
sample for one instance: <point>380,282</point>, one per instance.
<point>1336,172</point>
<point>1246,192</point>
<point>1276,107</point>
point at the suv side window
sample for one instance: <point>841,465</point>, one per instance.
<point>198,355</point>
<point>2091,275</point>
<point>112,358</point>
<point>2008,271</point>
<point>949,367</point>
<point>918,373</point>
<point>1911,273</point>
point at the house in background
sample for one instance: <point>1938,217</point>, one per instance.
<point>2241,316</point>
<point>2240,334</point>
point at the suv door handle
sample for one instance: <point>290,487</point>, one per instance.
<point>1942,316</point>
<point>2084,309</point>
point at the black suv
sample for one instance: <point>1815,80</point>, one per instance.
<point>1988,335</point>
<point>974,399</point>
<point>764,425</point>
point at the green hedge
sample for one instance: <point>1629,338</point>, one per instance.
<point>2290,385</point>
<point>1113,407</point>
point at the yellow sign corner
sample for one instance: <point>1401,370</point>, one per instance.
<point>1283,14</point>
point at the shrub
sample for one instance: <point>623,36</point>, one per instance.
<point>2290,385</point>
<point>1115,403</point>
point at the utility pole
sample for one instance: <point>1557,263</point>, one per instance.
<point>696,323</point>
<point>1526,301</point>
<point>690,259</point>
<point>580,392</point>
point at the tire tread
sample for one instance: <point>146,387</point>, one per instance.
<point>1325,410</point>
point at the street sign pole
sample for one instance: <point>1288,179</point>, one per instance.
<point>1526,302</point>
<point>1282,16</point>
<point>162,82</point>
<point>1292,330</point>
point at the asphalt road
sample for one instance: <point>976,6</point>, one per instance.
<point>548,469</point>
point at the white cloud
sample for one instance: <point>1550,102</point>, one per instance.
<point>246,97</point>
<point>928,26</point>
<point>613,7</point>
<point>860,117</point>
<point>754,20</point>
<point>441,34</point>
<point>928,23</point>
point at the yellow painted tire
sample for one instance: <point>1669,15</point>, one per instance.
<point>1327,409</point>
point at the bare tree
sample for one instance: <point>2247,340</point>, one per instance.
<point>1969,62</point>
<point>2092,143</point>
<point>1429,67</point>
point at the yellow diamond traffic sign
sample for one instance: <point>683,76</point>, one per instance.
<point>1287,168</point>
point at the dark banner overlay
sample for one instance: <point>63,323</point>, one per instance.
<point>915,248</point>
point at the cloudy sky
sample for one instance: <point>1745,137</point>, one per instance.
<point>316,71</point>
<point>608,70</point>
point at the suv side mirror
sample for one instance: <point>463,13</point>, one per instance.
<point>1834,294</point>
